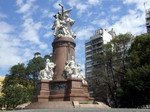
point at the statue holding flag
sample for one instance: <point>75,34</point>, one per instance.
<point>63,24</point>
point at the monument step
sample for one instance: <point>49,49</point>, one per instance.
<point>50,105</point>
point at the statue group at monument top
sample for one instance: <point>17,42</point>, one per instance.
<point>63,24</point>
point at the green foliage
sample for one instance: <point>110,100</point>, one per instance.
<point>34,66</point>
<point>15,95</point>
<point>98,85</point>
<point>139,54</point>
<point>20,85</point>
<point>48,57</point>
<point>17,88</point>
<point>136,87</point>
<point>2,100</point>
<point>112,69</point>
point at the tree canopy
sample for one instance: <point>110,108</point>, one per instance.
<point>123,76</point>
<point>137,86</point>
<point>20,84</point>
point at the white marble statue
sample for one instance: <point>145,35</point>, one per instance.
<point>80,75</point>
<point>62,24</point>
<point>47,73</point>
<point>73,70</point>
<point>70,68</point>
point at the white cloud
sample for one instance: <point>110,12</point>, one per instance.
<point>115,9</point>
<point>19,2</point>
<point>29,27</point>
<point>56,5</point>
<point>9,51</point>
<point>139,3</point>
<point>28,54</point>
<point>72,3</point>
<point>94,2</point>
<point>2,16</point>
<point>43,46</point>
<point>13,49</point>
<point>102,13</point>
<point>114,17</point>
<point>134,23</point>
<point>131,11</point>
<point>84,33</point>
<point>103,23</point>
<point>47,13</point>
<point>25,6</point>
<point>48,34</point>
<point>5,27</point>
<point>81,7</point>
<point>30,31</point>
<point>17,47</point>
<point>84,6</point>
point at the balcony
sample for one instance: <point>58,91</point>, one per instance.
<point>147,16</point>
<point>88,60</point>
<point>148,24</point>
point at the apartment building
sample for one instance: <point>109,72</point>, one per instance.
<point>95,45</point>
<point>148,20</point>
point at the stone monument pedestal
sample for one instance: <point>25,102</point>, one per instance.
<point>43,91</point>
<point>58,90</point>
<point>71,89</point>
<point>76,91</point>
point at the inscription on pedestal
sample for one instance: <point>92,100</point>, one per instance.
<point>58,87</point>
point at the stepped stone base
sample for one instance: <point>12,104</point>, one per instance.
<point>50,105</point>
<point>62,105</point>
<point>60,94</point>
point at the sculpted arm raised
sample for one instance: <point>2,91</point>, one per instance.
<point>63,23</point>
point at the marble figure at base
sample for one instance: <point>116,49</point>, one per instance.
<point>47,73</point>
<point>73,70</point>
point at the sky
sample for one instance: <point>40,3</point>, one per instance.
<point>25,25</point>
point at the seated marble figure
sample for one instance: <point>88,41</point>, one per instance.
<point>73,70</point>
<point>47,72</point>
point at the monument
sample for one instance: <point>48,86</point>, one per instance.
<point>61,80</point>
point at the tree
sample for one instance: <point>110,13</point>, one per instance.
<point>33,68</point>
<point>139,54</point>
<point>137,85</point>
<point>15,95</point>
<point>20,84</point>
<point>98,86</point>
<point>17,88</point>
<point>113,67</point>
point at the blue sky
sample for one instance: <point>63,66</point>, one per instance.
<point>25,25</point>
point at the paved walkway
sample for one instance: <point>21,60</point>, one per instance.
<point>83,110</point>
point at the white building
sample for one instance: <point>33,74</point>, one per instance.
<point>148,20</point>
<point>94,45</point>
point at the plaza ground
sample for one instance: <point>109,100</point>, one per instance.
<point>83,110</point>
